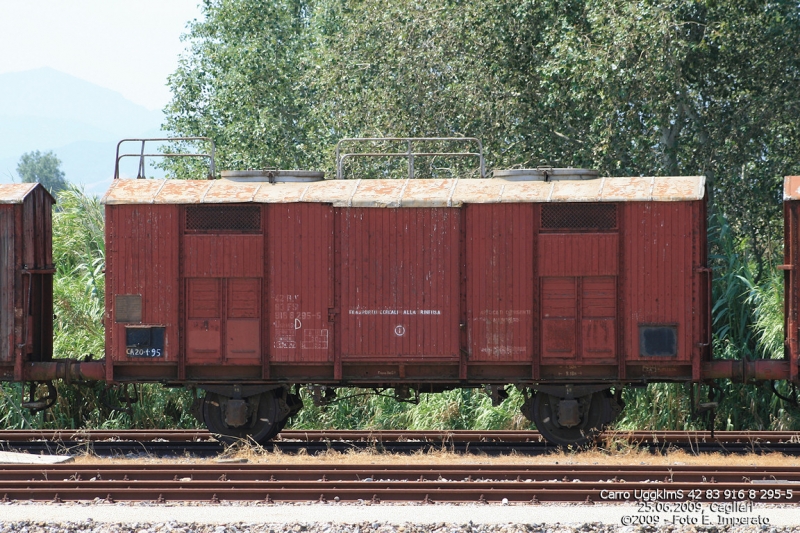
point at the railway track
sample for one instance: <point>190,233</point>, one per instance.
<point>399,483</point>
<point>201,443</point>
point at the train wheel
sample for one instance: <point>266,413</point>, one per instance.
<point>573,422</point>
<point>259,420</point>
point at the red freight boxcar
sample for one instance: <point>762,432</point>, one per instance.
<point>26,280</point>
<point>565,288</point>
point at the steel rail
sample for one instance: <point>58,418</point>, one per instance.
<point>416,483</point>
<point>451,472</point>
<point>213,448</point>
<point>168,443</point>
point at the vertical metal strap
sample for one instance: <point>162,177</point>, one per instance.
<point>410,161</point>
<point>140,172</point>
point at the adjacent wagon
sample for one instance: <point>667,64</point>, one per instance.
<point>26,278</point>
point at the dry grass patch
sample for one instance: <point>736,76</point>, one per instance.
<point>608,455</point>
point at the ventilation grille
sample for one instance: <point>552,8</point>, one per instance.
<point>205,218</point>
<point>579,216</point>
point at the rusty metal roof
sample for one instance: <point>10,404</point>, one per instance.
<point>407,193</point>
<point>791,188</point>
<point>15,193</point>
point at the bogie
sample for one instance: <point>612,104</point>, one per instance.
<point>569,420</point>
<point>257,418</point>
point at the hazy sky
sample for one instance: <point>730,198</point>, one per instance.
<point>130,47</point>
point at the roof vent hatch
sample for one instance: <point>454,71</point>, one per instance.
<point>545,174</point>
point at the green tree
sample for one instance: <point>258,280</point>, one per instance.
<point>242,83</point>
<point>629,88</point>
<point>44,168</point>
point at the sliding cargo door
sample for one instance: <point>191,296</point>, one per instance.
<point>399,283</point>
<point>499,284</point>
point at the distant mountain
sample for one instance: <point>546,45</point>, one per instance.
<point>44,109</point>
<point>47,93</point>
<point>26,133</point>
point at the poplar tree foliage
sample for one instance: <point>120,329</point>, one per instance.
<point>629,88</point>
<point>243,84</point>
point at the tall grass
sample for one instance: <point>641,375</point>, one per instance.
<point>79,283</point>
<point>455,409</point>
<point>12,415</point>
<point>748,324</point>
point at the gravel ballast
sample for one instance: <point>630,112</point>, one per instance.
<point>330,518</point>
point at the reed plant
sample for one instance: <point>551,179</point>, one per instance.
<point>449,410</point>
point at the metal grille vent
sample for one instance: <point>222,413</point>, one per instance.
<point>579,216</point>
<point>223,218</point>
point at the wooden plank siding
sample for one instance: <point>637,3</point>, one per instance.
<point>328,291</point>
<point>26,278</point>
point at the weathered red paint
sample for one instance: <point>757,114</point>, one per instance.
<point>26,278</point>
<point>299,302</point>
<point>66,369</point>
<point>500,279</point>
<point>665,251</point>
<point>744,371</point>
<point>222,275</point>
<point>143,259</point>
<point>490,291</point>
<point>399,283</point>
